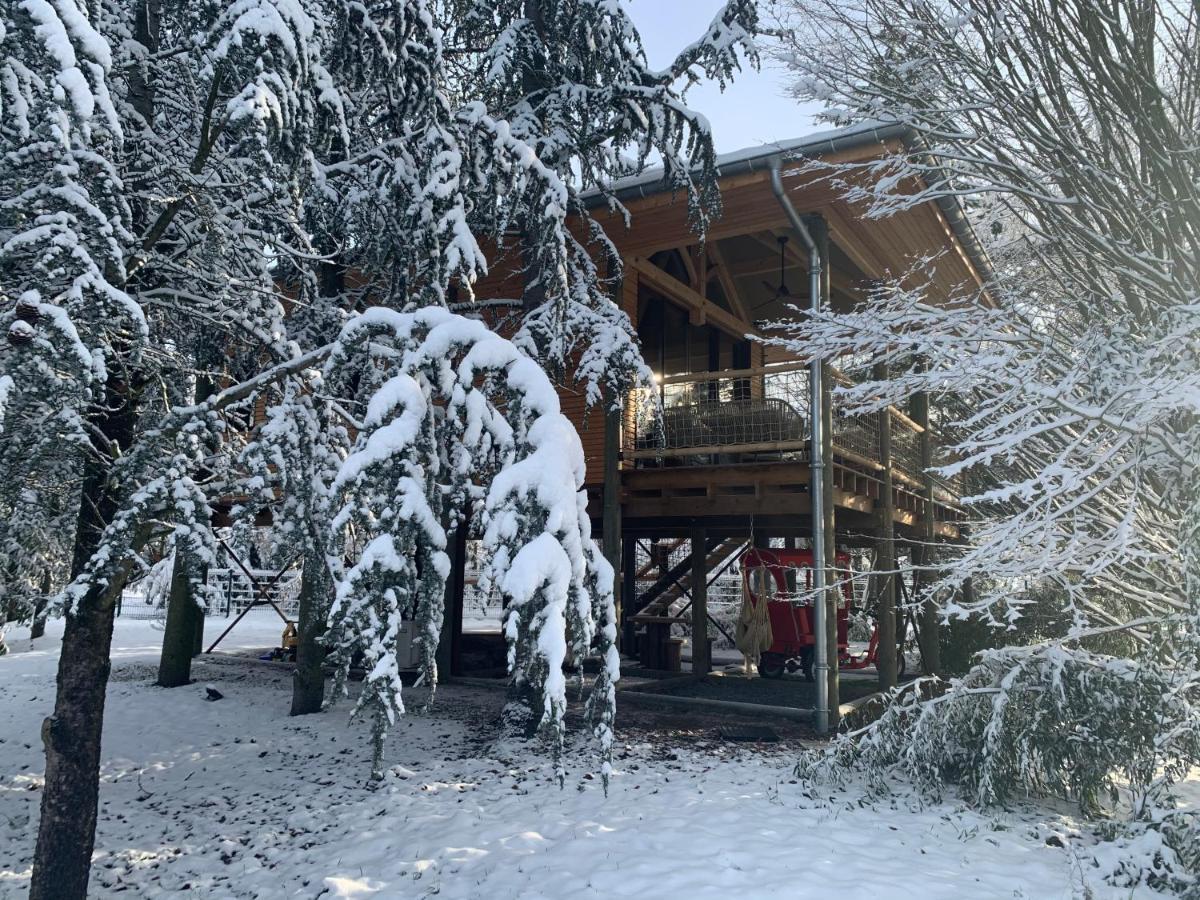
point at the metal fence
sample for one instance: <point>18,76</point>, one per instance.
<point>235,592</point>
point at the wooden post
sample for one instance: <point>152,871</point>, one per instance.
<point>628,591</point>
<point>612,492</point>
<point>931,663</point>
<point>201,615</point>
<point>819,230</point>
<point>885,557</point>
<point>701,659</point>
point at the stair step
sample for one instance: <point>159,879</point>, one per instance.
<point>661,605</point>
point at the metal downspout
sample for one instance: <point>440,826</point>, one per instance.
<point>816,460</point>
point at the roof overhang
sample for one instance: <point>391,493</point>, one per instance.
<point>758,159</point>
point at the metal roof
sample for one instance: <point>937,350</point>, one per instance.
<point>821,143</point>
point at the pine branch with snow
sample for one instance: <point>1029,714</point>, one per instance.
<point>451,406</point>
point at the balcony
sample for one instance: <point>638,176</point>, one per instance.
<point>737,439</point>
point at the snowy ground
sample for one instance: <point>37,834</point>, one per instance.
<point>235,799</point>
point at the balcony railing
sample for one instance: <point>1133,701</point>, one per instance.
<point>749,415</point>
<point>712,414</point>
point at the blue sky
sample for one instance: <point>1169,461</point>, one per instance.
<point>752,110</point>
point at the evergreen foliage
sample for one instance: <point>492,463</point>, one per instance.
<point>183,190</point>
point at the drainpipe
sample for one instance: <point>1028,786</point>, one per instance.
<point>816,460</point>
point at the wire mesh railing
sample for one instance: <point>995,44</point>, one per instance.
<point>713,413</point>
<point>748,415</point>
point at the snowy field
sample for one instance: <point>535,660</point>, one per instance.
<point>235,799</point>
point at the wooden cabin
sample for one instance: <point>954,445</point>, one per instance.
<point>727,464</point>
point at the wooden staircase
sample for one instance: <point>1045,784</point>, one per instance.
<point>677,582</point>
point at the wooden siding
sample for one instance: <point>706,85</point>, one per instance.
<point>879,247</point>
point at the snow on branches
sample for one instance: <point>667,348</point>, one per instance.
<point>65,221</point>
<point>459,419</point>
<point>1065,386</point>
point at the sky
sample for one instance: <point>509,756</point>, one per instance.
<point>752,111</point>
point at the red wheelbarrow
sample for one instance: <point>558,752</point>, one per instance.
<point>784,578</point>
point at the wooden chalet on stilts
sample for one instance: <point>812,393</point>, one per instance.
<point>727,465</point>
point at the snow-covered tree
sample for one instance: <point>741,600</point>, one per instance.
<point>39,500</point>
<point>175,179</point>
<point>294,459</point>
<point>1068,129</point>
<point>570,80</point>
<point>458,417</point>
<point>139,218</point>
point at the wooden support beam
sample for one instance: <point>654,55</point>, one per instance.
<point>725,279</point>
<point>930,648</point>
<point>449,649</point>
<point>628,591</point>
<point>885,557</point>
<point>852,238</point>
<point>705,311</point>
<point>611,518</point>
<point>701,658</point>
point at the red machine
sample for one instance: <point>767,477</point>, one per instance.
<point>784,577</point>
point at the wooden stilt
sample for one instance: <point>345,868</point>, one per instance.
<point>929,614</point>
<point>458,590</point>
<point>885,558</point>
<point>701,657</point>
<point>628,593</point>
<point>446,638</point>
<point>612,494</point>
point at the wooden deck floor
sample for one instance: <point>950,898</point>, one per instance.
<point>772,490</point>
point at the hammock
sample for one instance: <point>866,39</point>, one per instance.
<point>753,635</point>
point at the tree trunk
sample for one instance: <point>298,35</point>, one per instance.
<point>179,636</point>
<point>67,830</point>
<point>308,681</point>
<point>8,607</point>
<point>183,636</point>
<point>316,584</point>
<point>71,734</point>
<point>37,628</point>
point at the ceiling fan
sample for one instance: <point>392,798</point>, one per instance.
<point>781,290</point>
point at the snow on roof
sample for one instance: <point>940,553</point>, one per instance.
<point>820,142</point>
